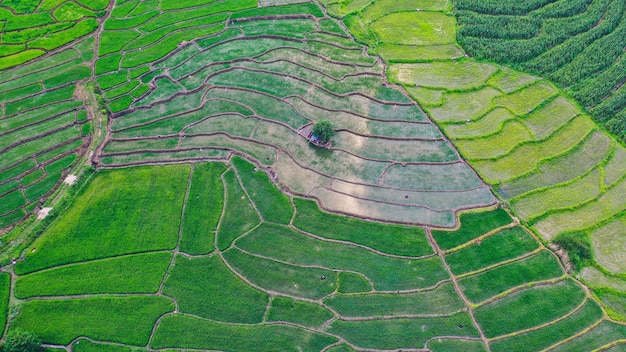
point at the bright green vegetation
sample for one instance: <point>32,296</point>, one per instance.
<point>41,124</point>
<point>202,210</point>
<point>5,287</point>
<point>298,312</point>
<point>239,215</point>
<point>120,209</point>
<point>206,288</point>
<point>395,333</point>
<point>273,205</point>
<point>271,286</point>
<point>101,318</point>
<point>30,29</point>
<point>190,332</point>
<point>386,238</point>
<point>504,245</point>
<point>578,45</point>
<point>442,300</point>
<point>386,273</point>
<point>551,334</point>
<point>541,266</point>
<point>473,225</point>
<point>140,273</point>
<point>516,312</point>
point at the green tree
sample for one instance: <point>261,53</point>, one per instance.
<point>21,341</point>
<point>323,129</point>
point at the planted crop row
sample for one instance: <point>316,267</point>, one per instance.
<point>43,126</point>
<point>32,31</point>
<point>577,44</point>
<point>255,90</point>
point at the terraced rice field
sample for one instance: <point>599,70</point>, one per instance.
<point>45,127</point>
<point>208,222</point>
<point>261,273</point>
<point>32,28</point>
<point>578,45</point>
<point>253,83</point>
<point>544,156</point>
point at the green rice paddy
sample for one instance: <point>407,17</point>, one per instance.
<point>282,283</point>
<point>204,219</point>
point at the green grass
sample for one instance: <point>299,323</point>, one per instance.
<point>40,99</point>
<point>603,334</point>
<point>239,215</point>
<point>203,209</point>
<point>272,204</point>
<point>302,282</point>
<point>120,202</point>
<point>42,187</point>
<point>391,239</point>
<point>402,333</point>
<point>298,312</point>
<point>386,273</point>
<point>5,290</point>
<point>528,308</point>
<point>352,283</point>
<point>88,346</point>
<point>12,201</point>
<point>442,300</point>
<point>541,266</point>
<point>443,345</point>
<point>507,244</point>
<point>205,287</point>
<point>178,331</point>
<point>101,318</point>
<point>140,273</point>
<point>542,338</point>
<point>472,225</point>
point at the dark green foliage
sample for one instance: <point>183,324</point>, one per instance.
<point>472,225</point>
<point>324,130</point>
<point>495,7</point>
<point>393,239</point>
<point>205,287</point>
<point>203,209</point>
<point>5,288</point>
<point>578,247</point>
<point>21,341</point>
<point>579,44</point>
<point>273,205</point>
